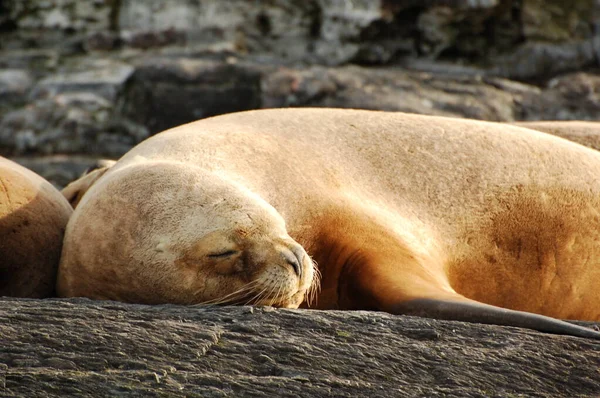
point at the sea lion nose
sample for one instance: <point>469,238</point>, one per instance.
<point>294,257</point>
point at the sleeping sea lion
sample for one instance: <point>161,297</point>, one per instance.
<point>409,214</point>
<point>33,218</point>
<point>582,132</point>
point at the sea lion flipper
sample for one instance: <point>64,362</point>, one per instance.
<point>471,311</point>
<point>76,189</point>
<point>370,284</point>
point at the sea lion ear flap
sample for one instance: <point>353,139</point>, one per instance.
<point>75,190</point>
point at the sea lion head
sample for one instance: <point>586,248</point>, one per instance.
<point>241,265</point>
<point>181,235</point>
<point>243,253</point>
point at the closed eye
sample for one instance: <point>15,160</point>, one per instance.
<point>223,254</point>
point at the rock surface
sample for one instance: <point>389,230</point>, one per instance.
<point>81,347</point>
<point>330,32</point>
<point>108,113</point>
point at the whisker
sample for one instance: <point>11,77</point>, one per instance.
<point>256,297</point>
<point>280,293</point>
<point>231,297</point>
<point>265,293</point>
<point>315,285</point>
<point>277,296</point>
<point>270,294</point>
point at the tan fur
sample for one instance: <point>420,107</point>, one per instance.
<point>33,217</point>
<point>75,190</point>
<point>394,208</point>
<point>582,132</point>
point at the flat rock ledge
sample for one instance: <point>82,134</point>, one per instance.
<point>81,347</point>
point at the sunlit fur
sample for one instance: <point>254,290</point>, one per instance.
<point>393,207</point>
<point>33,217</point>
<point>166,238</point>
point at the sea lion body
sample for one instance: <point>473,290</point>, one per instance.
<point>33,218</point>
<point>582,132</point>
<point>394,208</point>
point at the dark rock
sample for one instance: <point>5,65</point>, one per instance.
<point>73,122</point>
<point>74,112</point>
<point>165,92</point>
<point>450,92</point>
<point>541,61</point>
<point>58,169</point>
<point>58,25</point>
<point>106,111</point>
<point>36,61</point>
<point>104,78</point>
<point>14,87</point>
<point>151,39</point>
<point>574,96</point>
<point>82,347</point>
<point>111,107</point>
<point>330,32</point>
<point>101,41</point>
<point>556,20</point>
<point>459,28</point>
<point>389,89</point>
<point>340,27</point>
<point>62,14</point>
<point>98,77</point>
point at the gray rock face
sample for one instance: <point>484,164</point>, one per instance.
<point>544,60</point>
<point>164,93</point>
<point>14,86</point>
<point>69,123</point>
<point>394,90</point>
<point>60,14</point>
<point>330,32</point>
<point>111,107</point>
<point>104,78</point>
<point>58,169</point>
<point>573,96</point>
<point>81,347</point>
<point>106,108</point>
<point>75,111</point>
<point>556,20</point>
